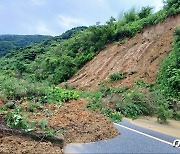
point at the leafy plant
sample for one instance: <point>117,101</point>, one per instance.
<point>62,95</point>
<point>145,12</point>
<point>112,114</point>
<point>43,124</point>
<point>16,119</point>
<point>163,113</point>
<point>9,105</point>
<point>33,106</point>
<point>169,75</point>
<point>117,76</point>
<point>141,83</point>
<point>135,103</point>
<point>133,110</point>
<point>130,16</point>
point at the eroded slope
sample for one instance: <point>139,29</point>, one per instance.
<point>143,54</point>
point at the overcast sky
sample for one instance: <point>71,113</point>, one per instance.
<point>52,17</point>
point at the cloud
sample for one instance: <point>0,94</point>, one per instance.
<point>68,22</point>
<point>38,2</point>
<point>37,27</point>
<point>43,29</point>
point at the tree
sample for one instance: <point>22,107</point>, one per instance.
<point>145,11</point>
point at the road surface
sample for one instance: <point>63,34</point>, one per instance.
<point>133,139</point>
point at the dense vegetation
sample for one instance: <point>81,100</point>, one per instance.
<point>9,42</point>
<point>30,73</point>
<point>16,42</point>
<point>169,76</point>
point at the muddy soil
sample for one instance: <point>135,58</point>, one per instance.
<point>83,125</point>
<point>79,125</point>
<point>142,54</point>
<point>11,144</point>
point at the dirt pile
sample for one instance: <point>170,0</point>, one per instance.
<point>78,123</point>
<point>11,144</point>
<point>142,54</point>
<point>81,124</point>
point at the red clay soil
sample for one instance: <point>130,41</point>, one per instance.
<point>143,53</point>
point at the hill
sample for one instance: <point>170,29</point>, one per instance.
<point>142,55</point>
<point>120,74</point>
<point>16,42</point>
<point>9,42</point>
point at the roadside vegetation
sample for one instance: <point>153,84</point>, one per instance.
<point>31,73</point>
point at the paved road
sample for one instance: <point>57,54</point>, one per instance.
<point>133,139</point>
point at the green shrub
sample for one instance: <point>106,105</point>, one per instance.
<point>113,90</point>
<point>163,113</point>
<point>145,12</point>
<point>117,76</point>
<point>169,74</point>
<point>34,106</point>
<point>141,83</point>
<point>135,103</point>
<point>9,105</point>
<point>177,115</point>
<point>130,16</point>
<point>62,95</point>
<point>112,114</point>
<point>14,88</point>
<point>95,103</point>
<point>15,119</point>
<point>133,111</point>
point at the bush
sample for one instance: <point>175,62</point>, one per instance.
<point>61,95</point>
<point>135,103</point>
<point>34,106</point>
<point>15,119</point>
<point>9,105</point>
<point>13,88</point>
<point>133,111</point>
<point>117,76</point>
<point>169,74</point>
<point>95,103</point>
<point>163,113</point>
<point>112,114</point>
<point>145,12</point>
<point>130,16</point>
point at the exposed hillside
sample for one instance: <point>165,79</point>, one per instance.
<point>132,47</point>
<point>142,54</point>
<point>9,42</point>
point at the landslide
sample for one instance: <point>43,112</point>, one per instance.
<point>142,54</point>
<point>79,124</point>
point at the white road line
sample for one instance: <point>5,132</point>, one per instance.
<point>144,134</point>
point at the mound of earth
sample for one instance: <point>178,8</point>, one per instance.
<point>78,123</point>
<point>139,57</point>
<point>11,144</point>
<point>83,125</point>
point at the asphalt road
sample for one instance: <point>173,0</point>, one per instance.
<point>133,139</point>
